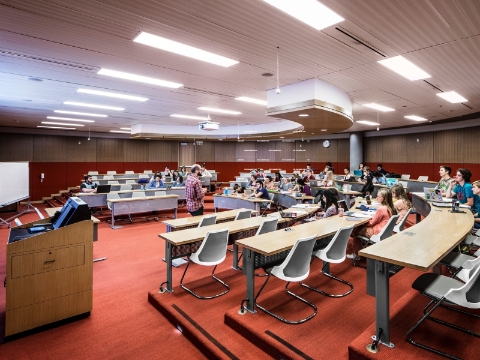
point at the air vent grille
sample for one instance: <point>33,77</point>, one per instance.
<point>360,41</point>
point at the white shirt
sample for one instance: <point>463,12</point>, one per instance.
<point>206,173</point>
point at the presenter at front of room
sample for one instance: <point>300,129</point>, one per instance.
<point>88,186</point>
<point>194,193</point>
<point>461,187</point>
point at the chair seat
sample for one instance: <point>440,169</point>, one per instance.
<point>472,240</point>
<point>455,260</point>
<point>435,285</point>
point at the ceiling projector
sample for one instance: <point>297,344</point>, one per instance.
<point>209,126</point>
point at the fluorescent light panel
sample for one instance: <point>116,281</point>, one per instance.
<point>405,68</point>
<point>311,12</point>
<point>452,96</point>
<point>78,113</point>
<point>68,119</point>
<point>303,115</point>
<point>128,129</point>
<point>366,122</point>
<point>55,127</point>
<point>139,78</point>
<point>415,118</point>
<point>193,117</point>
<point>74,103</point>
<point>379,107</point>
<point>120,132</point>
<point>182,49</point>
<point>58,123</point>
<point>109,94</point>
<point>222,111</point>
<point>251,100</point>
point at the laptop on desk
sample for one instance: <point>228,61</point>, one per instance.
<point>103,189</point>
<point>391,181</point>
<point>432,194</point>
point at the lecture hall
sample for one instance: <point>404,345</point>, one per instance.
<point>255,179</point>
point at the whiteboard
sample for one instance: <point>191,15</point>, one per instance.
<point>14,182</point>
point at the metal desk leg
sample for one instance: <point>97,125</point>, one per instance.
<point>168,260</point>
<point>382,303</point>
<point>235,257</point>
<point>112,210</point>
<point>370,277</point>
<point>248,268</point>
<point>418,217</point>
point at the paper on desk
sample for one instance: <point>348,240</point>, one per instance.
<point>361,215</point>
<point>300,206</point>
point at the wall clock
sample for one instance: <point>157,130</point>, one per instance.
<point>326,143</point>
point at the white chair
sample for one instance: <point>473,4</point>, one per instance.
<point>462,264</point>
<point>143,176</point>
<point>18,222</point>
<point>335,253</point>
<point>93,173</point>
<point>94,178</point>
<point>147,171</point>
<point>295,268</point>
<point>472,240</point>
<point>108,177</point>
<point>267,225</point>
<point>111,196</point>
<point>422,178</point>
<point>212,251</point>
<point>40,215</point>
<point>130,182</point>
<point>208,220</point>
<point>404,184</point>
<point>401,225</point>
<point>111,172</point>
<point>243,214</point>
<point>405,177</point>
<point>129,172</point>
<point>441,289</point>
<point>124,187</point>
<point>113,182</point>
<point>282,171</point>
<point>138,194</point>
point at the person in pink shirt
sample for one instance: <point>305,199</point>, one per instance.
<point>384,212</point>
<point>400,201</point>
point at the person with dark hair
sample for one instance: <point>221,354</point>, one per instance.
<point>303,187</point>
<point>260,191</point>
<point>286,185</point>
<point>461,187</point>
<point>252,181</point>
<point>183,171</point>
<point>269,184</point>
<point>379,178</point>
<point>179,182</point>
<point>175,175</point>
<point>88,186</point>
<point>381,169</point>
<point>445,178</point>
<point>167,172</point>
<point>278,176</point>
<point>194,193</point>
<point>237,189</point>
<point>367,189</point>
<point>204,171</point>
<point>348,176</point>
<point>330,202</point>
<point>308,175</point>
<point>156,183</point>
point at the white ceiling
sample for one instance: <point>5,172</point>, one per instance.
<point>65,42</point>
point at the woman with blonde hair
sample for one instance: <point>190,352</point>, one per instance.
<point>400,201</point>
<point>476,203</point>
<point>329,180</point>
<point>384,212</point>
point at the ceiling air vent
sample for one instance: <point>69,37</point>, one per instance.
<point>360,41</point>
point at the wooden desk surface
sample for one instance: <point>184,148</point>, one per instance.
<point>142,198</point>
<point>51,211</point>
<point>426,243</point>
<point>421,181</point>
<point>351,192</point>
<point>191,235</point>
<point>251,199</point>
<point>281,240</point>
<point>126,191</point>
<point>195,220</point>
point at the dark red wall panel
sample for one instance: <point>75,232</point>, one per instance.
<point>54,181</point>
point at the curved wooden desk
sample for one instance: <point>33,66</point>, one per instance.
<point>237,202</point>
<point>420,247</point>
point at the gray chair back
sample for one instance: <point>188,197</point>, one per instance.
<point>113,182</point>
<point>125,187</point>
<point>244,214</point>
<point>268,225</point>
<point>300,257</point>
<point>387,231</point>
<point>401,225</point>
<point>208,220</point>
<point>337,248</point>
<point>214,247</point>
<point>139,194</point>
<point>473,294</point>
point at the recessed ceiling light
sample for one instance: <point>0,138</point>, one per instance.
<point>78,113</point>
<point>324,130</point>
<point>58,123</point>
<point>452,96</point>
<point>182,49</point>
<point>193,117</point>
<point>251,100</point>
<point>230,112</point>
<point>120,132</point>
<point>378,107</point>
<point>282,137</point>
<point>366,122</point>
<point>405,68</point>
<point>311,12</point>
<point>303,115</point>
<point>415,118</point>
<point>125,128</point>
<point>139,78</point>
<point>114,95</point>
<point>74,103</point>
<point>56,127</point>
<point>68,119</point>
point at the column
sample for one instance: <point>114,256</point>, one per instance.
<point>356,150</point>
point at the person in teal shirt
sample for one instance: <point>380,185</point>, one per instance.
<point>476,203</point>
<point>461,187</point>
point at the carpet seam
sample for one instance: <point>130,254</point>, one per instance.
<point>206,334</point>
<point>288,345</point>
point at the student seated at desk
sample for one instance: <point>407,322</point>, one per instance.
<point>167,172</point>
<point>400,201</point>
<point>253,180</point>
<point>348,176</point>
<point>379,178</point>
<point>237,189</point>
<point>175,175</point>
<point>461,187</point>
<point>278,177</point>
<point>205,172</point>
<point>260,191</point>
<point>286,185</point>
<point>367,189</point>
<point>183,171</point>
<point>381,169</point>
<point>329,179</point>
<point>330,204</point>
<point>476,203</point>
<point>445,178</point>
<point>88,186</point>
<point>308,175</point>
<point>156,183</point>
<point>269,184</point>
<point>303,187</point>
<point>384,212</point>
<point>179,182</point>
